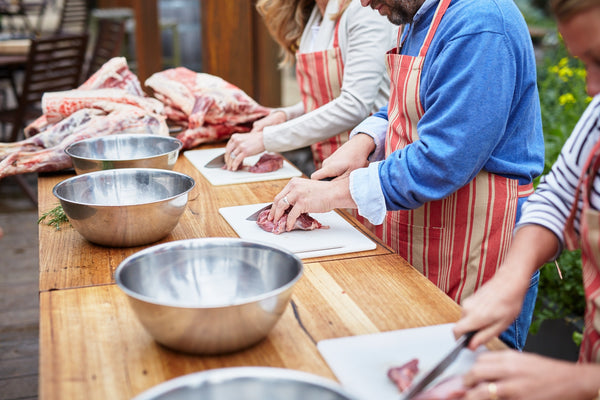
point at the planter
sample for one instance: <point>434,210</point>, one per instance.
<point>555,339</point>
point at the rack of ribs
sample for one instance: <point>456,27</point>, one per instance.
<point>208,107</point>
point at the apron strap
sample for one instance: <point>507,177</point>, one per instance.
<point>439,13</point>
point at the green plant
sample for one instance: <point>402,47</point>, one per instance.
<point>563,99</point>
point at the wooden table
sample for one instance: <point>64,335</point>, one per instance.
<point>92,346</point>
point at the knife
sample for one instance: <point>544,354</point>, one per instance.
<point>254,216</point>
<point>418,386</point>
<point>217,162</point>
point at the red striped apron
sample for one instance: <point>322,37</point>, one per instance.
<point>589,242</point>
<point>319,75</point>
<point>457,242</point>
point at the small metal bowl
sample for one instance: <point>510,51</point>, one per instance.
<point>209,295</point>
<point>124,207</point>
<point>124,151</point>
<point>247,383</point>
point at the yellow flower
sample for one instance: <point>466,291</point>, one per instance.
<point>565,73</point>
<point>566,98</point>
<point>563,62</point>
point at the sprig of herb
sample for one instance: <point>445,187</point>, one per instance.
<point>54,217</point>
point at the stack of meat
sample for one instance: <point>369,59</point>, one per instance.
<point>110,101</point>
<point>209,108</point>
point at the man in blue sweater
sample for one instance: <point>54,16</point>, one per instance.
<point>444,169</point>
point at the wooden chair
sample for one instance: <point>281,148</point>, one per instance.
<point>74,17</point>
<point>53,64</point>
<point>108,44</point>
<point>22,16</point>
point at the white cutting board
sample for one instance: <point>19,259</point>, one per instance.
<point>340,238</point>
<point>220,176</point>
<point>361,362</point>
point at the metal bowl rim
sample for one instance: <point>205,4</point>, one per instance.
<point>217,240</point>
<point>122,171</point>
<point>69,148</point>
<point>225,374</point>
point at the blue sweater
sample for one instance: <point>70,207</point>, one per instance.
<point>479,93</point>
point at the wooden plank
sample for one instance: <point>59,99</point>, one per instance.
<point>237,47</point>
<point>121,360</point>
<point>267,76</point>
<point>148,46</point>
<point>22,388</point>
<point>333,299</point>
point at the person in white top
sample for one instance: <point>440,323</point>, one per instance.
<point>339,49</point>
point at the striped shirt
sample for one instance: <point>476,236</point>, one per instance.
<point>552,201</point>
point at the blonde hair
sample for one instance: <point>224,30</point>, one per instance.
<point>286,19</point>
<point>566,9</point>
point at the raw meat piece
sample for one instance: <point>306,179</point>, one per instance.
<point>305,222</point>
<point>450,388</point>
<point>209,133</point>
<point>114,74</point>
<point>268,162</point>
<point>51,136</point>
<point>403,375</point>
<point>208,106</point>
<point>126,118</point>
<point>58,105</point>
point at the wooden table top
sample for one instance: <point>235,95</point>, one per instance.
<point>82,263</point>
<point>92,345</point>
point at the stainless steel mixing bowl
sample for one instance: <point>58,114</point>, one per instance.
<point>124,207</point>
<point>124,151</point>
<point>209,295</point>
<point>247,383</point>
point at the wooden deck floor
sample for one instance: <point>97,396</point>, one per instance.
<point>19,305</point>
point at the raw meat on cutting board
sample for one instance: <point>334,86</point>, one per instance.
<point>305,222</point>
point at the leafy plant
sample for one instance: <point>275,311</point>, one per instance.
<point>563,99</point>
<point>54,217</point>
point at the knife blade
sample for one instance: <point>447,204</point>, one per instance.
<point>418,386</point>
<point>217,162</point>
<point>254,216</point>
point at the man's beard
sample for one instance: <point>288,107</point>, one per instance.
<point>400,11</point>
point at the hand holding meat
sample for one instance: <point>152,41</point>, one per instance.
<point>306,196</point>
<point>527,376</point>
<point>275,118</point>
<point>240,146</point>
<point>350,156</point>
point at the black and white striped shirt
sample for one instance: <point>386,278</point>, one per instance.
<point>551,203</point>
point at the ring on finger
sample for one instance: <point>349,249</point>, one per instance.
<point>285,200</point>
<point>232,155</point>
<point>493,390</point>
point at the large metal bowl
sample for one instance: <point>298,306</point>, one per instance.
<point>124,151</point>
<point>247,383</point>
<point>209,295</point>
<point>124,207</point>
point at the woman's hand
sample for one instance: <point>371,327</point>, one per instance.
<point>240,146</point>
<point>351,155</point>
<point>509,375</point>
<point>491,309</point>
<point>274,118</point>
<point>307,195</point>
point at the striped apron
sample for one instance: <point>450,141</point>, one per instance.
<point>457,242</point>
<point>589,242</point>
<point>319,75</point>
